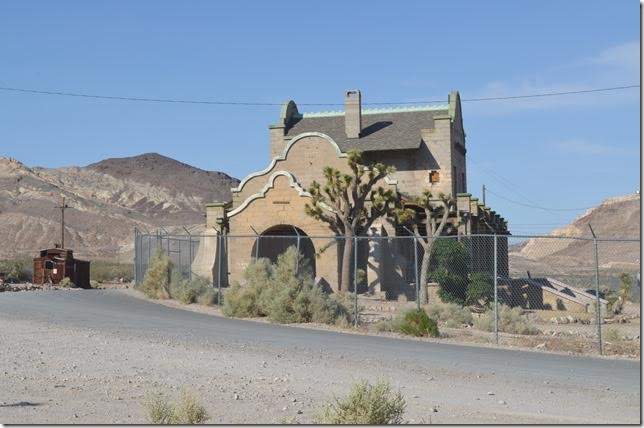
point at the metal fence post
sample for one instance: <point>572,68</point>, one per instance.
<point>136,245</point>
<point>190,257</point>
<point>355,280</point>
<point>219,251</point>
<point>598,317</point>
<point>416,272</point>
<point>297,260</point>
<point>496,291</point>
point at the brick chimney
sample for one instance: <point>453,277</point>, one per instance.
<point>352,113</point>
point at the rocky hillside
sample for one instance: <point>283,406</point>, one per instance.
<point>614,218</point>
<point>108,199</point>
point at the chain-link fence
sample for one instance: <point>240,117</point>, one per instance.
<point>556,293</point>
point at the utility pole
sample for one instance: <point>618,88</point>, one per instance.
<point>484,194</point>
<point>62,208</point>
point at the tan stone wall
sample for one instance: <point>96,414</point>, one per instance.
<point>281,204</point>
<point>305,160</point>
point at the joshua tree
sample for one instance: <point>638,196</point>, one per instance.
<point>436,215</point>
<point>349,204</point>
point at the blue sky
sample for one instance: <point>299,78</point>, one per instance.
<point>555,152</point>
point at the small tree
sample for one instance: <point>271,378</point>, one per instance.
<point>451,260</point>
<point>349,204</point>
<point>436,215</point>
<point>480,290</point>
<point>625,287</point>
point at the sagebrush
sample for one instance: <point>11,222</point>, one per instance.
<point>413,322</point>
<point>197,290</point>
<point>284,292</point>
<point>365,404</point>
<point>66,282</point>
<point>450,315</point>
<point>186,411</point>
<point>156,282</point>
<point>416,322</point>
<point>511,320</point>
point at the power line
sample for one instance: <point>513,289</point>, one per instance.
<point>538,207</point>
<point>255,103</point>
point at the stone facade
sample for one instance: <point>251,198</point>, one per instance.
<point>425,144</point>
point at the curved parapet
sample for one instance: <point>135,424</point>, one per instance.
<point>269,185</point>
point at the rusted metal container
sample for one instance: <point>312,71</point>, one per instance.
<point>54,264</point>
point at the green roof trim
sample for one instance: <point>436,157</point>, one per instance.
<point>464,194</point>
<point>216,204</point>
<point>437,107</point>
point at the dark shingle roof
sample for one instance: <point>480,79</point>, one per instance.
<point>384,129</point>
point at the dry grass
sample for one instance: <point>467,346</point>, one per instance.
<point>187,411</point>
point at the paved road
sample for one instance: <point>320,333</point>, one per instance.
<point>112,310</point>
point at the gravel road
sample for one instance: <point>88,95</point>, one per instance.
<point>89,356</point>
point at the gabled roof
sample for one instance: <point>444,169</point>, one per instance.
<point>382,129</point>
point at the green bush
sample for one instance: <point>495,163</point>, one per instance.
<point>417,323</point>
<point>156,282</point>
<point>186,412</point>
<point>450,315</point>
<point>480,290</point>
<point>365,404</point>
<point>279,293</point>
<point>510,321</point>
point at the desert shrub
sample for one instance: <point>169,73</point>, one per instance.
<point>450,315</point>
<point>158,410</point>
<point>480,289</point>
<point>282,292</point>
<point>611,334</point>
<point>389,324</point>
<point>102,271</point>
<point>16,270</point>
<point>66,282</point>
<point>365,404</point>
<point>510,321</point>
<point>415,322</point>
<point>156,282</point>
<point>197,290</point>
<point>450,266</point>
<point>208,297</point>
<point>187,411</point>
<point>625,286</point>
<point>246,301</point>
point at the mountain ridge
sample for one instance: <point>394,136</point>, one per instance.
<point>107,199</point>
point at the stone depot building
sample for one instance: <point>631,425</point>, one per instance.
<point>427,146</point>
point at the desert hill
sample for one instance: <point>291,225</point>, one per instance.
<point>613,219</point>
<point>108,199</point>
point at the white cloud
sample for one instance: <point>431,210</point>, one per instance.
<point>614,66</point>
<point>625,57</point>
<point>579,147</point>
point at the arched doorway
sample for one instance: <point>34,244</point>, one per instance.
<point>277,239</point>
